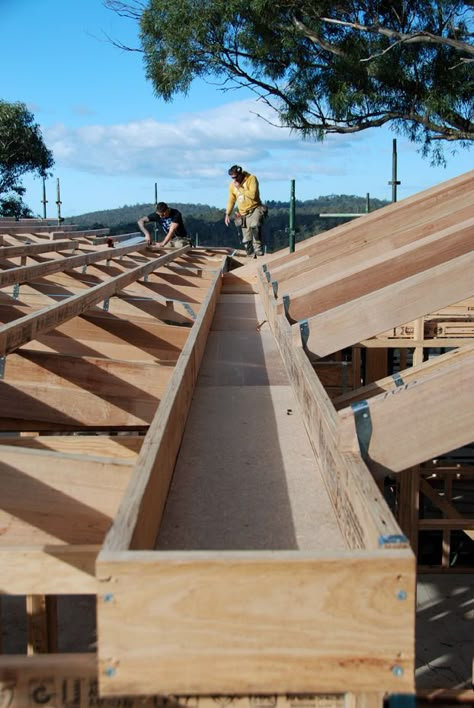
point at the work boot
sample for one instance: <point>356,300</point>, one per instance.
<point>258,248</point>
<point>248,245</point>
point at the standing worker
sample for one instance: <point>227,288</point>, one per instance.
<point>244,191</point>
<point>171,224</point>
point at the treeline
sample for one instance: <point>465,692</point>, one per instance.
<point>205,224</point>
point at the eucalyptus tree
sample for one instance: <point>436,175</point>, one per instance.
<point>323,66</point>
<point>22,150</point>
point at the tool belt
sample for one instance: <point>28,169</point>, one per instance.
<point>241,219</point>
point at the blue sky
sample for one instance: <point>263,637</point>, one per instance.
<point>112,139</point>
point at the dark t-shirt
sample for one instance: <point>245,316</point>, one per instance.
<point>174,217</point>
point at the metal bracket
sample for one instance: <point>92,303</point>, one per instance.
<point>363,425</point>
<point>84,268</point>
<point>3,362</point>
<point>398,379</point>
<point>186,306</point>
<point>275,288</point>
<point>106,304</point>
<point>145,278</point>
<point>16,291</point>
<point>304,332</point>
<point>267,275</point>
<point>286,304</point>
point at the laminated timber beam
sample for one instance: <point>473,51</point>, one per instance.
<point>402,433</point>
<point>24,329</point>
<point>351,322</point>
<point>388,224</point>
<point>340,251</point>
<point>326,290</point>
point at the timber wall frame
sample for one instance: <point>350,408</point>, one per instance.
<point>349,615</point>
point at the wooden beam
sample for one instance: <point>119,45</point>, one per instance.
<point>404,301</point>
<point>340,252</point>
<point>360,509</point>
<point>326,290</point>
<point>24,274</point>
<point>33,249</point>
<point>392,219</point>
<point>219,615</point>
<point>15,334</point>
<point>414,373</point>
<point>419,420</point>
<point>138,519</point>
<point>114,446</point>
<point>69,679</point>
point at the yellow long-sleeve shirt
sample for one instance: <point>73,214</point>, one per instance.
<point>246,195</point>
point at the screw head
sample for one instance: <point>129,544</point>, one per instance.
<point>397,671</point>
<point>402,595</point>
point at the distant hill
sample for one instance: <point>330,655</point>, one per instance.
<point>206,226</point>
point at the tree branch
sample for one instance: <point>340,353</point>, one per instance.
<point>414,38</point>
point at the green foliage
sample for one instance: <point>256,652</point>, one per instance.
<point>206,227</point>
<point>22,148</point>
<point>325,67</point>
<point>13,205</point>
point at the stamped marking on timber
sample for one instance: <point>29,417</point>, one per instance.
<point>70,691</point>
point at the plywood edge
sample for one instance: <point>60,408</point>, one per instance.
<point>137,521</point>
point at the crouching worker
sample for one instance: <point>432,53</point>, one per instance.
<point>244,192</point>
<point>171,225</point>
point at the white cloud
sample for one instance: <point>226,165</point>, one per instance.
<point>190,155</point>
<point>196,149</point>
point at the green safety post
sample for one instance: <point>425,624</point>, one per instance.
<point>291,230</point>
<point>45,201</point>
<point>394,182</point>
<point>58,201</point>
<point>155,226</point>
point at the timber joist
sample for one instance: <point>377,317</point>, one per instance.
<point>76,368</point>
